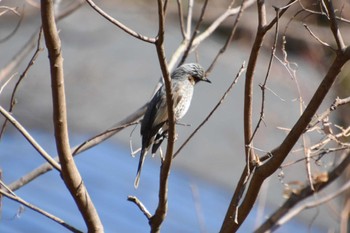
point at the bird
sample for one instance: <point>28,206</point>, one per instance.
<point>154,125</point>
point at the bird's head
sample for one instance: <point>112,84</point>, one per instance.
<point>191,71</point>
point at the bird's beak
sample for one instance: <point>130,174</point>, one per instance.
<point>206,80</point>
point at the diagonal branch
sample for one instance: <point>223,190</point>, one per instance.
<point>119,24</point>
<point>241,70</point>
<point>295,198</point>
<point>93,141</point>
<point>230,37</point>
<point>333,25</point>
<point>278,155</point>
<point>22,76</point>
<point>27,48</point>
<point>30,139</point>
<point>9,194</point>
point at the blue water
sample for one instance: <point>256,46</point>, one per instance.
<point>108,171</point>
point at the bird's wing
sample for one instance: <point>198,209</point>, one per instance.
<point>155,116</point>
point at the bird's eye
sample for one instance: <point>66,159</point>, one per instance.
<point>192,79</point>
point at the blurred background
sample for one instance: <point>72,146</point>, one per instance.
<point>109,75</point>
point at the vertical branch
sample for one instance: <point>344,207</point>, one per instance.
<point>334,26</point>
<point>69,173</point>
<point>278,155</point>
<point>189,19</point>
<point>236,213</point>
<point>263,86</point>
<point>159,216</point>
<point>181,18</point>
<point>195,32</point>
<point>248,91</point>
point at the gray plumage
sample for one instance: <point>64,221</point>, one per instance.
<point>154,125</point>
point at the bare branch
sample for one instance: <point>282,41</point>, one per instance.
<point>241,70</point>
<point>139,204</point>
<point>318,39</point>
<point>229,12</point>
<point>206,33</point>
<point>334,25</point>
<point>298,196</point>
<point>189,19</point>
<point>160,213</point>
<point>27,48</point>
<point>23,75</point>
<point>230,37</point>
<point>248,86</point>
<point>279,154</point>
<point>69,172</point>
<point>263,86</point>
<point>196,30</point>
<point>337,103</point>
<point>181,18</point>
<point>2,40</point>
<point>30,139</point>
<point>9,194</point>
<point>119,24</point>
<point>93,141</point>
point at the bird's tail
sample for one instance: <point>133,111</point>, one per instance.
<point>139,168</point>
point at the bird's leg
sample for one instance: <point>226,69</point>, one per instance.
<point>161,154</point>
<point>133,152</point>
<point>183,124</point>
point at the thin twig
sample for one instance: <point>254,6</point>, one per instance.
<point>198,207</point>
<point>93,141</point>
<point>217,22</point>
<point>241,70</point>
<point>5,84</point>
<point>30,139</point>
<point>279,154</point>
<point>263,86</point>
<point>27,48</point>
<point>111,131</point>
<point>21,16</point>
<point>317,38</point>
<point>206,33</point>
<point>297,197</point>
<point>181,18</point>
<point>23,75</point>
<point>337,103</point>
<point>230,37</point>
<point>194,34</point>
<point>11,195</point>
<point>189,19</point>
<point>313,204</point>
<point>141,206</point>
<point>119,24</point>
